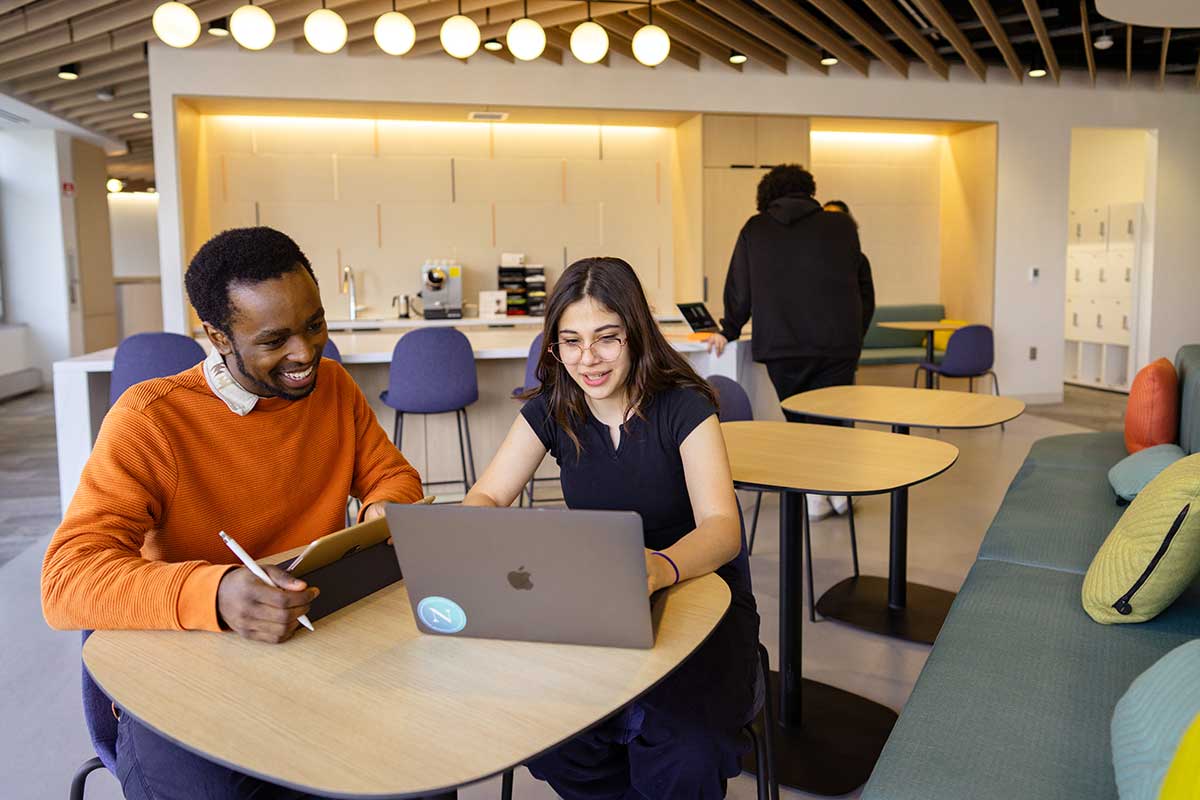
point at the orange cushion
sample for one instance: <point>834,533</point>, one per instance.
<point>1152,415</point>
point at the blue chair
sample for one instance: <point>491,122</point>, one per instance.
<point>331,351</point>
<point>970,354</point>
<point>735,407</point>
<point>531,363</point>
<point>143,356</point>
<point>433,372</point>
<point>102,725</point>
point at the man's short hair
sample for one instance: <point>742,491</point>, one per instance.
<point>784,180</point>
<point>239,255</point>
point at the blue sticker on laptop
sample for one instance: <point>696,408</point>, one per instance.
<point>441,614</point>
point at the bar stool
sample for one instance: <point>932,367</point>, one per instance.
<point>156,354</point>
<point>433,372</point>
<point>531,382</point>
<point>331,351</point>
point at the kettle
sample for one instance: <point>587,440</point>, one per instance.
<point>401,303</point>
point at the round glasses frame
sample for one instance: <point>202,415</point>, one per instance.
<point>571,353</point>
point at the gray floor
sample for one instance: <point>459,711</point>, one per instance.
<point>44,738</point>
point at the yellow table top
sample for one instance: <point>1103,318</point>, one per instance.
<point>823,459</point>
<point>931,325</point>
<point>895,405</point>
<point>369,706</point>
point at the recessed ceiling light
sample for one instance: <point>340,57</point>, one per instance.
<point>219,27</point>
<point>1103,42</point>
<point>493,45</point>
<point>737,58</point>
<point>1037,72</point>
<point>140,115</point>
<point>68,72</point>
<point>828,60</point>
<point>114,185</point>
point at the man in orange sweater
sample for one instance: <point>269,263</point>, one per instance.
<point>264,440</point>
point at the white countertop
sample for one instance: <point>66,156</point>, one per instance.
<point>390,323</point>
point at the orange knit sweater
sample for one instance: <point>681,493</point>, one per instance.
<point>172,465</point>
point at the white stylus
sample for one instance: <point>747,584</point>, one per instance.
<point>251,565</point>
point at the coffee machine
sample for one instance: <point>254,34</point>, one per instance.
<point>441,289</point>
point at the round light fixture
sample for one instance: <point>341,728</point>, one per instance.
<point>651,45</point>
<point>252,27</point>
<point>219,28</point>
<point>460,36</point>
<point>176,24</point>
<point>589,42</point>
<point>828,60</point>
<point>737,58</point>
<point>325,30</point>
<point>493,45</point>
<point>1103,42</point>
<point>526,39</point>
<point>140,115</point>
<point>394,33</point>
<point>1037,72</point>
<point>114,185</point>
<point>68,72</point>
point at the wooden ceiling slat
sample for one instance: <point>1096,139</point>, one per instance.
<point>123,129</point>
<point>988,17</point>
<point>1129,54</point>
<point>730,36</point>
<point>34,43</point>
<point>113,110</point>
<point>626,27</point>
<point>55,58</point>
<point>552,53</point>
<point>857,27</point>
<point>799,19</point>
<point>900,26</point>
<point>1162,62</point>
<point>108,65</point>
<point>937,14</point>
<point>117,15</point>
<point>88,86</point>
<point>1087,40</point>
<point>430,16</point>
<point>690,37</point>
<point>1043,37</point>
<point>134,87</point>
<point>556,37</point>
<point>12,5</point>
<point>768,32</point>
<point>47,12</point>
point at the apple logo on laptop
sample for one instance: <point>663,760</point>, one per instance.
<point>519,579</point>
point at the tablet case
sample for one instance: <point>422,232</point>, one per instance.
<point>352,578</point>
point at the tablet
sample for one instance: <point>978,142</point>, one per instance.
<point>697,317</point>
<point>335,546</point>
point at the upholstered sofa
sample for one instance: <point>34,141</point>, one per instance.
<point>884,346</point>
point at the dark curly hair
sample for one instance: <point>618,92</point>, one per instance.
<point>239,255</point>
<point>784,180</point>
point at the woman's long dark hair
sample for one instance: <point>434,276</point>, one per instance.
<point>655,366</point>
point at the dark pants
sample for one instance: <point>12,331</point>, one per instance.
<point>795,375</point>
<point>151,767</point>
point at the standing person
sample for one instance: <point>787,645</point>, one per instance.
<point>798,270</point>
<point>634,428</point>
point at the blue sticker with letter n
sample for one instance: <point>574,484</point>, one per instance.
<point>441,614</point>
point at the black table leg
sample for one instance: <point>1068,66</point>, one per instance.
<point>929,359</point>
<point>895,607</point>
<point>827,740</point>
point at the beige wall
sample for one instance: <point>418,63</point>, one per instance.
<point>891,183</point>
<point>383,196</point>
<point>94,247</point>
<point>968,224</point>
<point>1108,165</point>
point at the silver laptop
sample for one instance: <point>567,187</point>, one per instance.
<point>538,575</point>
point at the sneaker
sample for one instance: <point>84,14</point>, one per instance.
<point>840,503</point>
<point>818,507</point>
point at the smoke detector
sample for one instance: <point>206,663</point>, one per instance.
<point>106,94</point>
<point>1103,42</point>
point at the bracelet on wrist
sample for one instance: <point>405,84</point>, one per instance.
<point>667,558</point>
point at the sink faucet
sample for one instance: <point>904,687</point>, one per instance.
<point>348,286</point>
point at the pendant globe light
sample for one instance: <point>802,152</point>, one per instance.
<point>526,39</point>
<point>651,45</point>
<point>252,27</point>
<point>589,42</point>
<point>176,24</point>
<point>394,32</point>
<point>460,35</point>
<point>325,30</point>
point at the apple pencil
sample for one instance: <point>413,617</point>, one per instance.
<point>245,558</point>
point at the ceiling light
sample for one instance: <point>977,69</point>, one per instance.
<point>252,27</point>
<point>589,42</point>
<point>1037,72</point>
<point>737,58</point>
<point>68,72</point>
<point>394,33</point>
<point>140,115</point>
<point>651,45</point>
<point>526,39</point>
<point>325,30</point>
<point>114,185</point>
<point>460,36</point>
<point>106,95</point>
<point>219,27</point>
<point>1103,42</point>
<point>828,59</point>
<point>176,24</point>
<point>493,45</point>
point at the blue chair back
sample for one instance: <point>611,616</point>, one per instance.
<point>531,362</point>
<point>970,351</point>
<point>331,351</point>
<point>143,356</point>
<point>432,371</point>
<point>735,403</point>
<point>97,712</point>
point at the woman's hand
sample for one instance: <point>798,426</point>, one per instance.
<point>659,573</point>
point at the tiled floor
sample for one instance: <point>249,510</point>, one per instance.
<point>43,738</point>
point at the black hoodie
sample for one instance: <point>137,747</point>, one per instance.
<point>800,272</point>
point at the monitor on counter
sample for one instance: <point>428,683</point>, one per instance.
<point>697,317</point>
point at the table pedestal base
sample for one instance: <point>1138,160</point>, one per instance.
<point>835,750</point>
<point>863,603</point>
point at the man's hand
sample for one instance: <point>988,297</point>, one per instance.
<point>717,342</point>
<point>261,612</point>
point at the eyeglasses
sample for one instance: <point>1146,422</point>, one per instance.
<point>606,348</point>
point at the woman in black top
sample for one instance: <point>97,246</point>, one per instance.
<point>633,428</point>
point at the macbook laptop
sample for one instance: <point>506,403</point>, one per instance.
<point>528,574</point>
<point>697,317</point>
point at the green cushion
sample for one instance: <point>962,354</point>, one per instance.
<point>1131,474</point>
<point>1095,451</point>
<point>1187,364</point>
<point>1152,554</point>
<point>1151,719</point>
<point>1017,695</point>
<point>883,337</point>
<point>874,356</point>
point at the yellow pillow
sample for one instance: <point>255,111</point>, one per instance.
<point>1152,554</point>
<point>1183,776</point>
<point>942,338</point>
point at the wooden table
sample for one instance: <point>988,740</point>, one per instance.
<point>895,607</point>
<point>832,747</point>
<point>928,327</point>
<point>367,706</point>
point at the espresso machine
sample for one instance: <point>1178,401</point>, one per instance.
<point>441,289</point>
